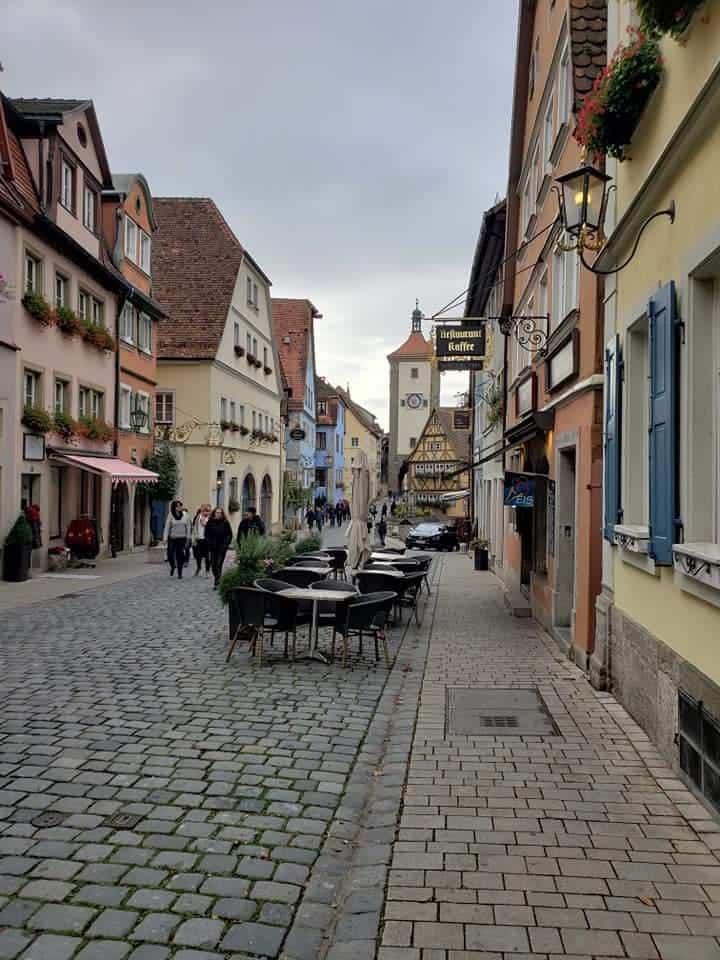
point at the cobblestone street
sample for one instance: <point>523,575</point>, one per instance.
<point>156,802</point>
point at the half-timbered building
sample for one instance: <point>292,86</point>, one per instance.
<point>438,467</point>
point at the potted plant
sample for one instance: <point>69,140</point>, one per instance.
<point>64,426</point>
<point>37,420</point>
<point>17,552</point>
<point>251,359</point>
<point>225,425</point>
<point>38,308</point>
<point>235,427</point>
<point>267,370</point>
<point>667,16</point>
<point>480,548</point>
<point>68,322</point>
<point>258,363</point>
<point>244,431</point>
<point>239,351</point>
<point>612,110</point>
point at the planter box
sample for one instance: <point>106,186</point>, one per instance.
<point>481,559</point>
<point>16,562</point>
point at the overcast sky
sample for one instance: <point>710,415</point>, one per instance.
<point>352,145</point>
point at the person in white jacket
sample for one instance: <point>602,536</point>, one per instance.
<point>200,547</point>
<point>177,535</point>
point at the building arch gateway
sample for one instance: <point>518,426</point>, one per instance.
<point>249,492</point>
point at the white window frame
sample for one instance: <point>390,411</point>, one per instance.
<point>67,185</point>
<point>549,132</point>
<point>83,305</point>
<point>236,334</point>
<point>84,401</point>
<point>145,247</point>
<point>248,291</point>
<point>96,404</point>
<point>62,289</point>
<point>131,239</point>
<point>223,408</point>
<point>565,88</point>
<point>31,380</point>
<point>125,406</point>
<point>33,273</point>
<point>354,442</point>
<point>89,208</point>
<point>144,328</point>
<point>127,324</point>
<point>233,412</point>
<point>142,400</point>
<point>635,495</point>
<point>164,400</point>
<point>565,285</point>
<point>60,392</point>
<point>97,311</point>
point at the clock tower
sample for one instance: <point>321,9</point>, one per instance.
<point>414,394</point>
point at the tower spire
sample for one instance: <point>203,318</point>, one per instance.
<point>417,318</point>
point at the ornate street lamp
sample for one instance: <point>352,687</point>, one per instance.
<point>583,198</point>
<point>138,418</point>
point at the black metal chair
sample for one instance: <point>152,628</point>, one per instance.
<point>338,563</point>
<point>407,587</point>
<point>285,617</point>
<point>299,576</point>
<point>366,615</point>
<point>246,613</point>
<point>308,561</point>
<point>327,608</point>
<point>272,585</point>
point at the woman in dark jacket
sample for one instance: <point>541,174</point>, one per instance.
<point>218,536</point>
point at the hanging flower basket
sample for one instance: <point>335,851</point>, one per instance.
<point>68,322</point>
<point>612,109</point>
<point>667,16</point>
<point>36,420</point>
<point>38,308</point>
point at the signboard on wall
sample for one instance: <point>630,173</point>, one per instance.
<point>519,490</point>
<point>460,347</point>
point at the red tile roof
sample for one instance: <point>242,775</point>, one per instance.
<point>416,347</point>
<point>294,337</point>
<point>17,188</point>
<point>195,263</point>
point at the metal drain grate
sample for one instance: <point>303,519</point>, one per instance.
<point>122,821</point>
<point>48,819</point>
<point>494,712</point>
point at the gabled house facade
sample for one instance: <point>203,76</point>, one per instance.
<point>438,473</point>
<point>329,443</point>
<point>219,393</point>
<point>363,440</point>
<point>659,610</point>
<point>487,387</point>
<point>129,224</point>
<point>553,435</point>
<point>293,327</point>
<point>58,317</point>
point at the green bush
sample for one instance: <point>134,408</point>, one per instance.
<point>20,533</point>
<point>64,425</point>
<point>38,307</point>
<point>667,16</point>
<point>308,544</point>
<point>251,561</point>
<point>37,420</point>
<point>163,462</point>
<point>68,321</point>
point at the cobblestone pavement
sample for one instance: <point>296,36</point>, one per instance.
<point>157,802</point>
<point>583,844</point>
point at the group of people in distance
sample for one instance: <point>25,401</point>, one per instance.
<point>208,535</point>
<point>322,513</point>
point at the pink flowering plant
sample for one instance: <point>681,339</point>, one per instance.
<point>612,110</point>
<point>667,16</point>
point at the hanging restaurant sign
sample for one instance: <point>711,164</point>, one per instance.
<point>519,490</point>
<point>460,347</point>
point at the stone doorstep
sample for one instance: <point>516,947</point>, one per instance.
<point>517,603</point>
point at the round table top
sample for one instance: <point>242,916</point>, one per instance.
<point>379,555</point>
<point>305,593</point>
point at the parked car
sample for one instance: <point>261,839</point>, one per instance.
<point>437,536</point>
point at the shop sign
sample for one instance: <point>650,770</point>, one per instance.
<point>460,347</point>
<point>519,490</point>
<point>297,433</point>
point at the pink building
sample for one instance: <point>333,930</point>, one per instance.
<point>60,298</point>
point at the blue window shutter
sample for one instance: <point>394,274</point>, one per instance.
<point>663,429</point>
<point>613,439</point>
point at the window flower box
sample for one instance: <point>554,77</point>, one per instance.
<point>267,370</point>
<point>239,351</point>
<point>243,430</point>
<point>668,16</point>
<point>64,426</point>
<point>37,420</point>
<point>251,360</point>
<point>226,425</point>
<point>68,322</point>
<point>98,336</point>
<point>38,308</point>
<point>612,109</point>
<point>95,428</point>
<point>234,427</point>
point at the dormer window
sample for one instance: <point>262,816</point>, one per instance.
<point>131,232</point>
<point>89,209</point>
<point>67,186</point>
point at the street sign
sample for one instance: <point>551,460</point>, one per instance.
<point>297,433</point>
<point>519,490</point>
<point>460,347</point>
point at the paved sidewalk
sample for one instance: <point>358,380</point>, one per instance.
<point>582,844</point>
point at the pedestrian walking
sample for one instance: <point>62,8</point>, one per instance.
<point>310,518</point>
<point>177,535</point>
<point>199,544</point>
<point>382,530</point>
<point>339,514</point>
<point>251,523</point>
<point>331,515</point>
<point>393,508</point>
<point>383,512</point>
<point>319,517</point>
<point>218,534</point>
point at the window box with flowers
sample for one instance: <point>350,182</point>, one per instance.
<point>235,427</point>
<point>64,426</point>
<point>225,425</point>
<point>267,370</point>
<point>244,431</point>
<point>68,322</point>
<point>239,351</point>
<point>251,360</point>
<point>37,420</point>
<point>94,428</point>
<point>257,436</point>
<point>38,308</point>
<point>667,16</point>
<point>98,336</point>
<point>258,363</point>
<point>620,94</point>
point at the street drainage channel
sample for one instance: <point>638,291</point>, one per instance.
<point>489,711</point>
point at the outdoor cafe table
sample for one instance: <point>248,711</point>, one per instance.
<point>305,593</point>
<point>379,555</point>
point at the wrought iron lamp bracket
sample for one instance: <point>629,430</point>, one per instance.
<point>526,331</point>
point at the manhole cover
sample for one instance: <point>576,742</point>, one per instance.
<point>49,819</point>
<point>123,821</point>
<point>493,712</point>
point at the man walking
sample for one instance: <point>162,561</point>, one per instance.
<point>251,523</point>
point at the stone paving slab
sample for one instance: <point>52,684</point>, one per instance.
<point>578,845</point>
<point>237,785</point>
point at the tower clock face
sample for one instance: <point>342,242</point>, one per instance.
<point>414,401</point>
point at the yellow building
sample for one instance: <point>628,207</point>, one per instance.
<point>362,433</point>
<point>658,627</point>
<point>438,477</point>
<point>219,382</point>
